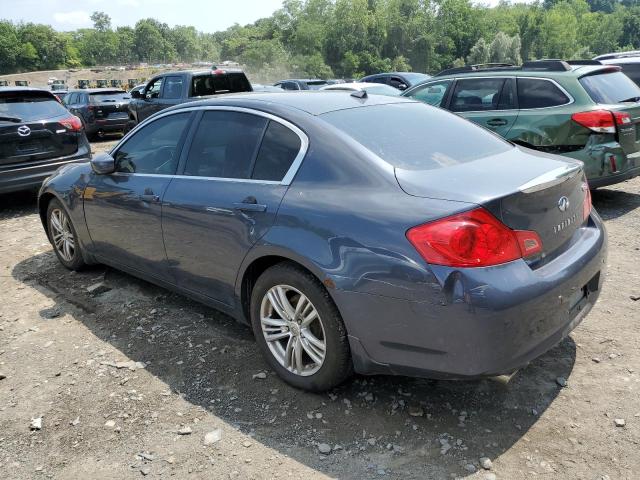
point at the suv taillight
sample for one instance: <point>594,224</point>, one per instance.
<point>472,239</point>
<point>72,123</point>
<point>601,121</point>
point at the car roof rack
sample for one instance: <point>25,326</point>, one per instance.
<point>474,68</point>
<point>584,62</point>
<point>547,65</point>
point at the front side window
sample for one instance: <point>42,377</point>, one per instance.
<point>225,145</point>
<point>154,148</point>
<point>172,88</point>
<point>278,150</point>
<point>153,89</point>
<point>539,93</point>
<point>610,88</point>
<point>477,94</point>
<point>432,93</point>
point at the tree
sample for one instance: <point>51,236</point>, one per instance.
<point>101,21</point>
<point>479,53</point>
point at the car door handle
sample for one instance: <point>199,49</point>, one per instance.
<point>497,122</point>
<point>149,197</point>
<point>249,207</point>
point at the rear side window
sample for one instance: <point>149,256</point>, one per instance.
<point>225,145</point>
<point>609,88</point>
<point>172,88</point>
<point>414,136</point>
<point>432,94</point>
<point>279,148</point>
<point>539,93</point>
<point>212,84</point>
<point>26,107</point>
<point>478,94</point>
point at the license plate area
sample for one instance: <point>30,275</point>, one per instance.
<point>578,298</point>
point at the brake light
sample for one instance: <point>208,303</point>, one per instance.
<point>601,121</point>
<point>472,239</point>
<point>586,202</point>
<point>219,71</point>
<point>72,123</point>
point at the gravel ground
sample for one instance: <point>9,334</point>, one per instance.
<point>131,380</point>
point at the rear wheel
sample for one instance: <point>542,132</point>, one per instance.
<point>63,236</point>
<point>299,329</point>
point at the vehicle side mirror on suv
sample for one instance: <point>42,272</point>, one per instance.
<point>103,164</point>
<point>136,94</point>
<point>402,86</point>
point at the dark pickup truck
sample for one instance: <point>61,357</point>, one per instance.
<point>168,89</point>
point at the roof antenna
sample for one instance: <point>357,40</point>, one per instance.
<point>360,94</point>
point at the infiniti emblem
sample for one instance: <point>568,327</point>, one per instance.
<point>563,204</point>
<point>24,131</point>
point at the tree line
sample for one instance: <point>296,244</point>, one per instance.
<point>343,38</point>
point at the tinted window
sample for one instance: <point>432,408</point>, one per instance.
<point>416,77</point>
<point>536,93</point>
<point>211,84</point>
<point>415,136</point>
<point>316,84</point>
<point>28,107</point>
<point>172,88</point>
<point>433,93</point>
<point>70,98</point>
<point>613,87</point>
<point>383,90</point>
<point>153,89</point>
<point>154,148</point>
<point>225,145</point>
<point>632,70</point>
<point>279,148</point>
<point>476,94</point>
<point>397,82</point>
<point>109,97</point>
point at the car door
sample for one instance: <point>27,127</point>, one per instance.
<point>233,178</point>
<point>150,95</point>
<point>123,209</point>
<point>487,101</point>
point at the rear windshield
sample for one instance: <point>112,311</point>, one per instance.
<point>28,107</point>
<point>109,97</point>
<point>415,136</point>
<point>609,88</point>
<point>210,84</point>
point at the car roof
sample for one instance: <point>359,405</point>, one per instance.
<point>353,86</point>
<point>575,71</point>
<point>311,102</point>
<point>96,90</point>
<point>200,72</point>
<point>24,89</point>
<point>302,80</point>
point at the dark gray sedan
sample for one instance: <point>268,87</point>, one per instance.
<point>373,234</point>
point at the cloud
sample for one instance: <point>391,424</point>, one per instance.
<point>76,18</point>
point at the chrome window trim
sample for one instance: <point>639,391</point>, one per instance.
<point>286,180</point>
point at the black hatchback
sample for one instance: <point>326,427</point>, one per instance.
<point>37,135</point>
<point>102,110</point>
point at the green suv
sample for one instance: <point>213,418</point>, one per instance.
<point>582,109</point>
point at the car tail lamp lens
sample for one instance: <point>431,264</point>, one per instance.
<point>472,239</point>
<point>72,123</point>
<point>586,203</point>
<point>601,121</point>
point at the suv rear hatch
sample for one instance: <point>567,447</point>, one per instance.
<point>35,126</point>
<point>110,105</point>
<point>614,92</point>
<point>437,154</point>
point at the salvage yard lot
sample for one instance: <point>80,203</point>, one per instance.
<point>130,380</point>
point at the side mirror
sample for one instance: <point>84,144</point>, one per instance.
<point>103,164</point>
<point>402,86</point>
<point>136,94</point>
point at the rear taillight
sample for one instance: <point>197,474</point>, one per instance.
<point>586,202</point>
<point>72,123</point>
<point>472,239</point>
<point>601,121</point>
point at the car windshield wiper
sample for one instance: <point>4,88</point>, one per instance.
<point>10,119</point>
<point>631,99</point>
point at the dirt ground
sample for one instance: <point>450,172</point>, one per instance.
<point>135,381</point>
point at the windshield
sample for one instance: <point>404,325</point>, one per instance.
<point>27,108</point>
<point>109,97</point>
<point>610,88</point>
<point>415,136</point>
<point>416,77</point>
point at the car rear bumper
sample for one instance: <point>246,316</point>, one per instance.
<point>614,178</point>
<point>607,164</point>
<point>23,176</point>
<point>488,321</point>
<point>107,125</point>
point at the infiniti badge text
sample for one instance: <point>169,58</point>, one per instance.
<point>565,223</point>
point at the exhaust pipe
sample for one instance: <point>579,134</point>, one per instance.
<point>504,379</point>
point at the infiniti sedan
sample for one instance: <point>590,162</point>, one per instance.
<point>370,234</point>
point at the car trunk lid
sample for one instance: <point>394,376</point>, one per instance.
<point>110,105</point>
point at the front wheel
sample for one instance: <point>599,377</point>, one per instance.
<point>63,236</point>
<point>299,329</point>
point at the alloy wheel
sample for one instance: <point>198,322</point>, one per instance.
<point>293,330</point>
<point>62,235</point>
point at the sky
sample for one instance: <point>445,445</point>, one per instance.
<point>205,15</point>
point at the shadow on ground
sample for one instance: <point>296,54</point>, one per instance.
<point>18,204</point>
<point>612,204</point>
<point>209,359</point>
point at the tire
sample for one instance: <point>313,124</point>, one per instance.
<point>304,371</point>
<point>59,223</point>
